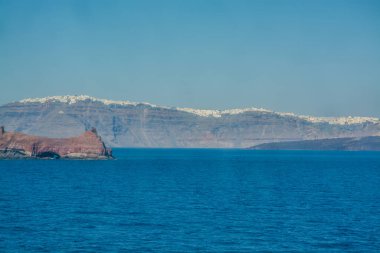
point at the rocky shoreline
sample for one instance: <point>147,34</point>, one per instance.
<point>88,146</point>
<point>368,143</point>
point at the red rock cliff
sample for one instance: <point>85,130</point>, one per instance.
<point>86,146</point>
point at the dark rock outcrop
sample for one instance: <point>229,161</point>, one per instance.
<point>89,145</point>
<point>369,143</point>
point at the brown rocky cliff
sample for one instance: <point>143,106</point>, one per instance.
<point>86,146</point>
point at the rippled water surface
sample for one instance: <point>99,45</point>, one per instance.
<point>173,200</point>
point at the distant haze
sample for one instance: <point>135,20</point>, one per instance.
<point>307,57</point>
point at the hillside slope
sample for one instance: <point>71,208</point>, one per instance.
<point>369,143</point>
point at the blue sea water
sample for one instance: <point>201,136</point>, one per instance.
<point>193,200</point>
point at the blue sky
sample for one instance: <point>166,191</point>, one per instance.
<point>308,57</point>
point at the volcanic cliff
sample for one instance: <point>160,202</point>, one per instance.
<point>89,145</point>
<point>129,124</point>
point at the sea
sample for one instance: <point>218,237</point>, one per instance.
<point>193,200</point>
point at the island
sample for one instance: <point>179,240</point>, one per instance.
<point>368,143</point>
<point>89,145</point>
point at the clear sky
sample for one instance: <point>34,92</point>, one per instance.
<point>309,57</point>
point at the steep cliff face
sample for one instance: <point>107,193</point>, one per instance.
<point>126,124</point>
<point>86,146</point>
